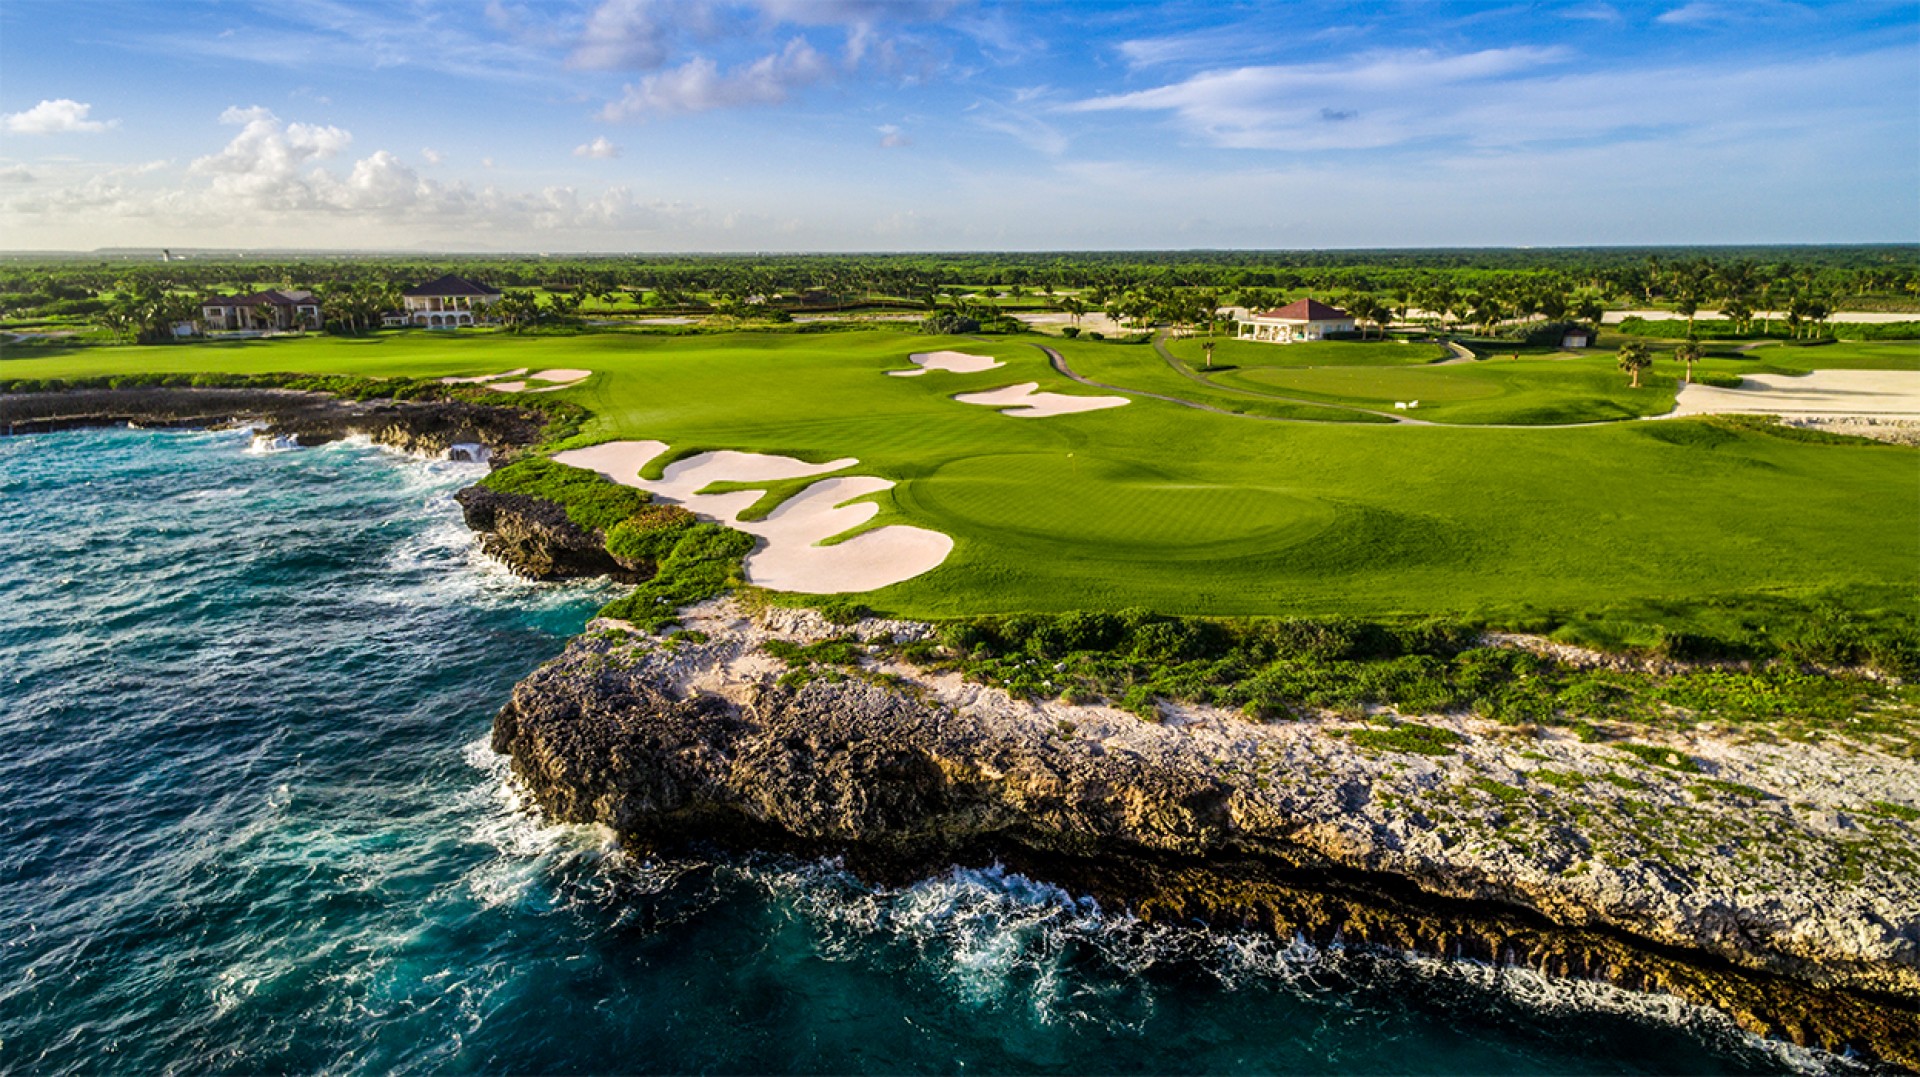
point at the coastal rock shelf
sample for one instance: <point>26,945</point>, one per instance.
<point>424,428</point>
<point>1290,826</point>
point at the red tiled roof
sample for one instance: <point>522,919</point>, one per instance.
<point>1307,310</point>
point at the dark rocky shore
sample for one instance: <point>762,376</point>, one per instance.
<point>428,428</point>
<point>1202,816</point>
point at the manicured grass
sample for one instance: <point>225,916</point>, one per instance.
<point>1570,389</point>
<point>1228,351</point>
<point>1183,511</point>
<point>1844,355</point>
<point>1139,366</point>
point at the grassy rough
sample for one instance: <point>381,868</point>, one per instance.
<point>591,501</point>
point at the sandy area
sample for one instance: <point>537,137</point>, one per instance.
<point>956,362</point>
<point>1824,393</point>
<point>1023,401</point>
<point>1093,321</point>
<point>1848,317</point>
<point>788,558</point>
<point>483,378</point>
<point>552,380</point>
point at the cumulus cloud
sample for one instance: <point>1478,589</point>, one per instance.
<point>16,174</point>
<point>599,149</point>
<point>892,137</point>
<point>637,35</point>
<point>431,155</point>
<point>56,117</point>
<point>699,86</point>
<point>261,166</point>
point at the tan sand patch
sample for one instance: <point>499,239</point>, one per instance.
<point>1885,393</point>
<point>483,378</point>
<point>508,386</point>
<point>788,557</point>
<point>566,374</point>
<point>955,362</point>
<point>1024,401</point>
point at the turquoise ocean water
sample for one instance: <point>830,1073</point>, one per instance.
<point>249,822</point>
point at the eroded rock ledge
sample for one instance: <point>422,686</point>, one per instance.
<point>1290,826</point>
<point>427,428</point>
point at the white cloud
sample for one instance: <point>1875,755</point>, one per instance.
<point>431,155</point>
<point>637,35</point>
<point>892,137</point>
<point>261,166</point>
<point>1024,127</point>
<point>598,149</point>
<point>699,86</point>
<point>1523,101</point>
<point>1375,99</point>
<point>16,174</point>
<point>56,117</point>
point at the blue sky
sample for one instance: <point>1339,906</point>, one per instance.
<point>642,125</point>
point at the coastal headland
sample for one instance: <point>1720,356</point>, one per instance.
<point>1753,875</point>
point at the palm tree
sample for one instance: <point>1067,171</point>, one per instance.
<point>1689,352</point>
<point>1634,357</point>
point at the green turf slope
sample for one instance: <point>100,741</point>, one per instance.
<point>1157,505</point>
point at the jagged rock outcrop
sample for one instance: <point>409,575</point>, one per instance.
<point>697,742</point>
<point>537,539</point>
<point>423,427</point>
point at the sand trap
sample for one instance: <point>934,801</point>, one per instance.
<point>483,378</point>
<point>1024,402</point>
<point>957,362</point>
<point>508,386</point>
<point>788,558</point>
<point>567,374</point>
<point>1883,393</point>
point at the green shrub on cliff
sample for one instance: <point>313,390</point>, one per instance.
<point>650,533</point>
<point>590,500</point>
<point>704,562</point>
<point>1273,668</point>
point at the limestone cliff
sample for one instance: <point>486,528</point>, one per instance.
<point>683,743</point>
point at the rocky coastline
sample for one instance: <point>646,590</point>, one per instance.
<point>1789,910</point>
<point>1765,912</point>
<point>423,427</point>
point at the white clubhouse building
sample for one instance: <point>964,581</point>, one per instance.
<point>1307,319</point>
<point>445,303</point>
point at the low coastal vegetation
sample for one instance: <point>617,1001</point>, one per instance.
<point>1277,668</point>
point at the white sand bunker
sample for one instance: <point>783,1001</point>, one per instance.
<point>789,558</point>
<point>1023,401</point>
<point>551,381</point>
<point>957,362</point>
<point>1883,393</point>
<point>484,378</point>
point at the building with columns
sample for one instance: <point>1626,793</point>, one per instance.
<point>1306,319</point>
<point>448,302</point>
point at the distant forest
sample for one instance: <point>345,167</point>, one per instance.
<point>139,291</point>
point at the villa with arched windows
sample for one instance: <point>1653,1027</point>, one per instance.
<point>447,303</point>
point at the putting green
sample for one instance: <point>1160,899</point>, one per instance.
<point>1160,505</point>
